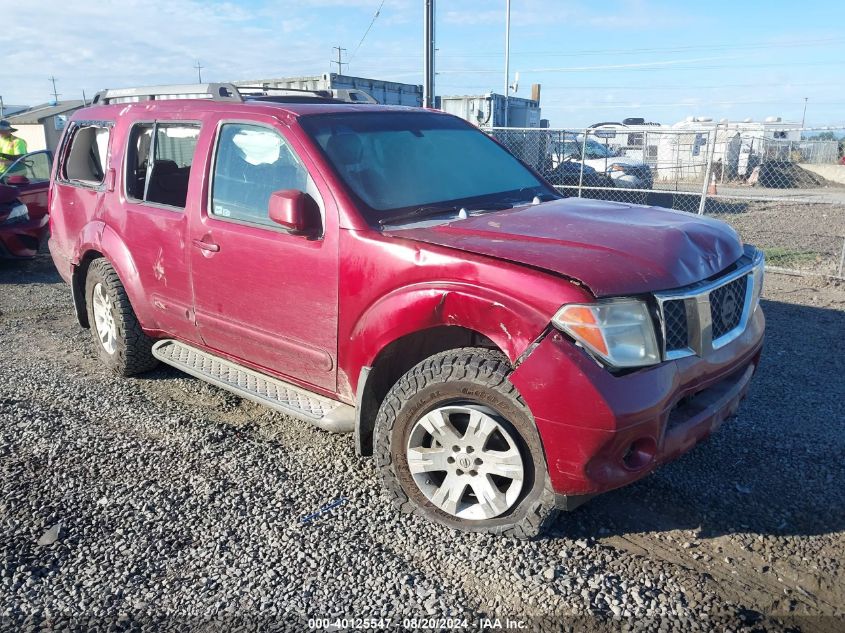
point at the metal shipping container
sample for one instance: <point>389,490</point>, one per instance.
<point>385,92</point>
<point>489,110</point>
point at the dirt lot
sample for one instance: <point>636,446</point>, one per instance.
<point>179,505</point>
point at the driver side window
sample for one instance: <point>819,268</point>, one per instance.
<point>251,163</point>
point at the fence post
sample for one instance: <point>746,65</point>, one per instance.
<point>708,170</point>
<point>583,158</point>
<point>841,260</point>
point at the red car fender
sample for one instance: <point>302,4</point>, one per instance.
<point>510,324</point>
<point>98,236</point>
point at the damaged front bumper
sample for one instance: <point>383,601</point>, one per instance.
<point>601,430</point>
<point>22,240</point>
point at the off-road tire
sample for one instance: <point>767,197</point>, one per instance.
<point>133,352</point>
<point>474,375</point>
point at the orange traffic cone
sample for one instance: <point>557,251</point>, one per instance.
<point>711,190</point>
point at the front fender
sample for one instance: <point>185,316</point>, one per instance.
<point>509,323</point>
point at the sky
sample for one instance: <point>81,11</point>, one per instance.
<point>596,60</point>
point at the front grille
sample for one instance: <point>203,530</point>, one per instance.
<point>675,317</point>
<point>701,318</point>
<point>726,305</point>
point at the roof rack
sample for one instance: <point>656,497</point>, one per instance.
<point>230,93</point>
<point>213,91</point>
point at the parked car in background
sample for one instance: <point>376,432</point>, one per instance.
<point>501,351</point>
<point>620,171</point>
<point>570,174</point>
<point>24,220</point>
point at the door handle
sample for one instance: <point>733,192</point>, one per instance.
<point>207,246</point>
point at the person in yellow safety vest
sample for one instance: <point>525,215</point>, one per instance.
<point>11,147</point>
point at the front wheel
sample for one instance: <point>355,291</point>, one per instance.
<point>456,444</point>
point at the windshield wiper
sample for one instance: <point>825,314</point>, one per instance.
<point>428,211</point>
<point>419,213</point>
<point>541,196</point>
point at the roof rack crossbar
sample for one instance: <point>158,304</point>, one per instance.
<point>213,91</point>
<point>266,90</point>
<point>283,88</point>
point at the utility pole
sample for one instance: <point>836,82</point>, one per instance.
<point>340,63</point>
<point>804,116</point>
<point>428,54</point>
<point>507,56</point>
<point>2,109</point>
<point>55,94</point>
<point>199,71</point>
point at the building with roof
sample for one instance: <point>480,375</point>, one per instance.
<point>41,126</point>
<point>9,110</point>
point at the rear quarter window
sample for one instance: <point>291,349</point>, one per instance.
<point>85,157</point>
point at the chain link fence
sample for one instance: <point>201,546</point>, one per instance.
<point>780,186</point>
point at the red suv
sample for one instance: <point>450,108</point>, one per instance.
<point>394,272</point>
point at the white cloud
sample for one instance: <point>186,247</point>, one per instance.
<point>101,44</point>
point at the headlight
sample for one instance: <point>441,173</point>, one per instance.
<point>19,213</point>
<point>621,332</point>
<point>759,273</point>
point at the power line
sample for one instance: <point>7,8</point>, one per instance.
<point>634,68</point>
<point>628,68</point>
<point>696,47</point>
<point>686,104</point>
<point>373,21</point>
<point>671,49</point>
<point>666,87</point>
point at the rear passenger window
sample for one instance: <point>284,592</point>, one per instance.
<point>158,164</point>
<point>251,163</point>
<point>86,160</point>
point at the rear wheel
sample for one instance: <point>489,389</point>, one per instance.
<point>121,343</point>
<point>456,444</point>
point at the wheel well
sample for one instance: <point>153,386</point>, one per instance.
<point>395,360</point>
<point>80,273</point>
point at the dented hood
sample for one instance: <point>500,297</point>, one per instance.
<point>612,248</point>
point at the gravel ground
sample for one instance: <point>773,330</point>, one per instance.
<point>162,502</point>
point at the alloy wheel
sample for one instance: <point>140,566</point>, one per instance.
<point>466,462</point>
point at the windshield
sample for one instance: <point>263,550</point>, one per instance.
<point>399,161</point>
<point>599,150</point>
<point>594,149</point>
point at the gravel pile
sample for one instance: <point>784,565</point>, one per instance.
<point>164,503</point>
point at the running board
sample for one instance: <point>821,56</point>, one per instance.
<point>325,413</point>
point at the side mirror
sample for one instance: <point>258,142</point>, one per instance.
<point>292,209</point>
<point>17,179</point>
